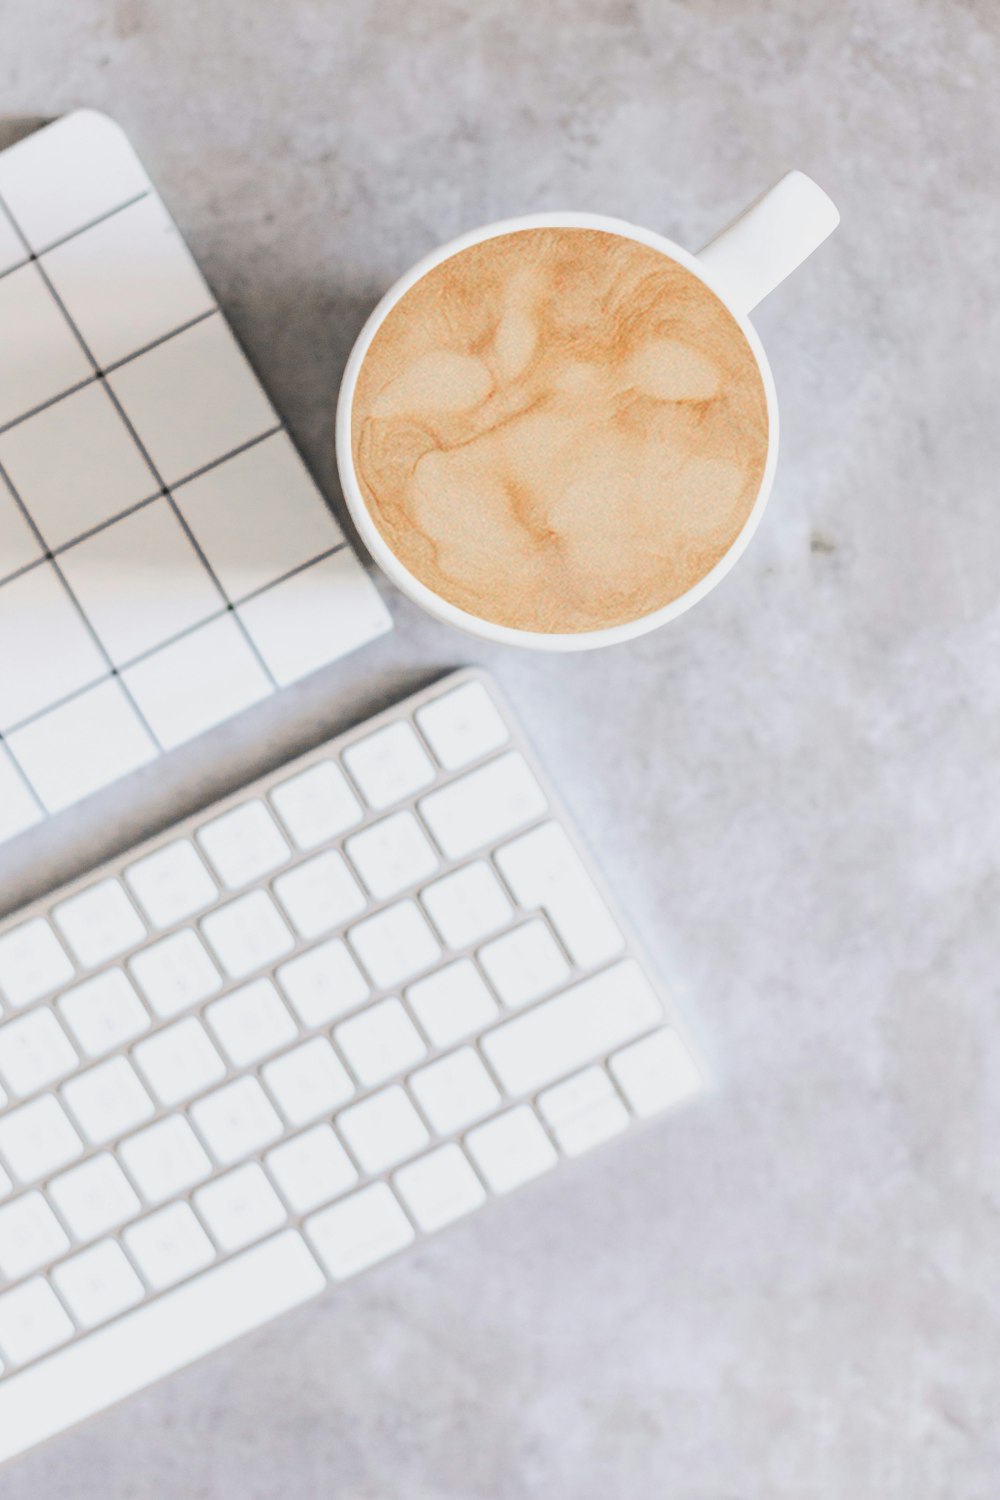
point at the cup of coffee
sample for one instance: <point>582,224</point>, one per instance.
<point>560,431</point>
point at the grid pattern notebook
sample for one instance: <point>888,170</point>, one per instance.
<point>165,558</point>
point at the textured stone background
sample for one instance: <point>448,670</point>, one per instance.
<point>793,1292</point>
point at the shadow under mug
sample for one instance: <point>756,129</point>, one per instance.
<point>745,262</point>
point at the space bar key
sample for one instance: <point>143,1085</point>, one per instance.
<point>180,1326</point>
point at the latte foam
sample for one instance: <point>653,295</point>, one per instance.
<point>559,429</point>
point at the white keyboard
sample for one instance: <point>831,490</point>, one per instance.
<point>278,1043</point>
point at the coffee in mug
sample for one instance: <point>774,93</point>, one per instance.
<point>559,429</point>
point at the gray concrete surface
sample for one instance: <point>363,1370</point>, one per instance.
<point>794,1291</point>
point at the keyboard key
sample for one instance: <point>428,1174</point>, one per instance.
<point>452,1003</point>
<point>583,1111</point>
<point>389,765</point>
<point>103,1013</point>
<point>243,844</point>
<point>543,869</point>
<point>583,1023</point>
<point>247,934</point>
<point>380,1042</point>
<point>151,1341</point>
<point>392,854</point>
<point>37,1139</point>
<point>455,1091</point>
<point>525,964</point>
<point>484,805</point>
<point>511,1149</point>
<point>179,1061</point>
<point>311,1169</point>
<point>439,1188</point>
<point>236,1120</point>
<point>382,1130</point>
<point>98,1284</point>
<point>107,1101</point>
<point>240,1207</point>
<point>467,905</point>
<point>323,984</point>
<point>32,963</point>
<point>319,894</point>
<point>657,1072</point>
<point>94,1197</point>
<point>171,884</point>
<point>175,973</point>
<point>462,726</point>
<point>34,1051</point>
<point>395,944</point>
<point>100,923</point>
<point>308,1082</point>
<point>169,1245</point>
<point>32,1321</point>
<point>316,805</point>
<point>251,1023</point>
<point>30,1236</point>
<point>359,1231</point>
<point>164,1159</point>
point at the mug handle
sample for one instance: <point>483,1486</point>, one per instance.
<point>759,249</point>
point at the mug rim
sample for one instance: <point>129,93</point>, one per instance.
<point>427,598</point>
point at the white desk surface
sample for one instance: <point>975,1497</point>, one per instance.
<point>793,1293</point>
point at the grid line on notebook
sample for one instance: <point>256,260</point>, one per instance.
<point>165,491</point>
<point>110,669</point>
<point>181,634</point>
<point>33,411</point>
<point>139,504</point>
<point>30,254</point>
<point>165,558</point>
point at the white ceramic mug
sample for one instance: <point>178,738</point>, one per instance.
<point>741,265</point>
